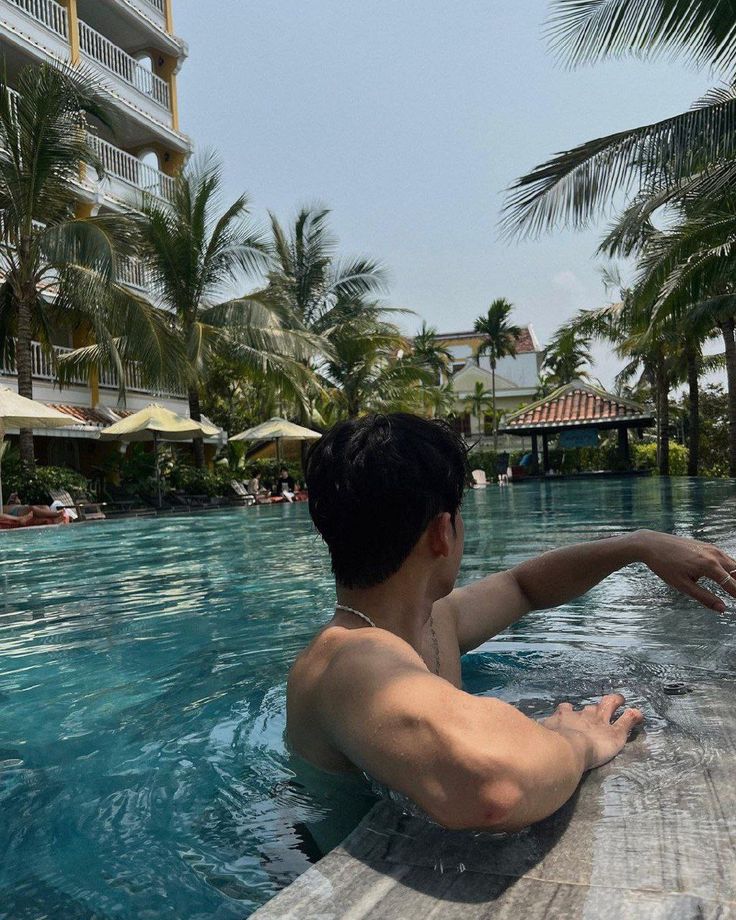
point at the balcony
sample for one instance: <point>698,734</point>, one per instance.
<point>132,273</point>
<point>113,59</point>
<point>43,369</point>
<point>126,173</point>
<point>47,12</point>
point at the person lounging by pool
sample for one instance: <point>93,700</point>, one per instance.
<point>11,521</point>
<point>378,689</point>
<point>39,514</point>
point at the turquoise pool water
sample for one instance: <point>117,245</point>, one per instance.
<point>142,670</point>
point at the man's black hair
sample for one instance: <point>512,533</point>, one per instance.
<point>374,485</point>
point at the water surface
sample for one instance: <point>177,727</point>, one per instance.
<point>142,685</point>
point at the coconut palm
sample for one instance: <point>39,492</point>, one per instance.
<point>688,271</point>
<point>307,280</point>
<point>499,341</point>
<point>567,357</point>
<point>370,369</point>
<point>478,402</point>
<point>428,352</point>
<point>196,255</point>
<point>59,269</point>
<point>693,153</point>
<point>315,290</point>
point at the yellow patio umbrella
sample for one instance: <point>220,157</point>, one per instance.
<point>278,430</point>
<point>19,412</point>
<point>156,423</point>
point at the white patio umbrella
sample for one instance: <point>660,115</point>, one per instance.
<point>19,412</point>
<point>278,430</point>
<point>156,423</point>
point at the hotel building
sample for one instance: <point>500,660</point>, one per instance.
<point>517,381</point>
<point>131,50</point>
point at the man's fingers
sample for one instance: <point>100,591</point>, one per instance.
<point>629,719</point>
<point>723,578</point>
<point>609,704</point>
<point>564,707</point>
<point>705,597</point>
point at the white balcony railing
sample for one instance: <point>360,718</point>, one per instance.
<point>133,273</point>
<point>42,364</point>
<point>48,12</point>
<point>119,62</point>
<point>130,169</point>
<point>157,5</point>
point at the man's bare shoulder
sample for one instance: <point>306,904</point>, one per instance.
<point>339,668</point>
<point>336,653</point>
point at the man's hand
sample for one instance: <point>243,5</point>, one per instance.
<point>592,730</point>
<point>682,563</point>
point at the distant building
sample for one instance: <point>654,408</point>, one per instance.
<point>517,379</point>
<point>131,49</point>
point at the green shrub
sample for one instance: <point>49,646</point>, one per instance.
<point>33,487</point>
<point>645,457</point>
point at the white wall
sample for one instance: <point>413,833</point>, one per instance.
<point>521,370</point>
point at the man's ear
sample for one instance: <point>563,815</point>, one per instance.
<point>440,533</point>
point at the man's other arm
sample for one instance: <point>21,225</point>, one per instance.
<point>486,607</point>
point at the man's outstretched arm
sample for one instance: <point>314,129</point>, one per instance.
<point>488,606</point>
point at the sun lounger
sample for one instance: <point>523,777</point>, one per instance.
<point>86,509</point>
<point>480,480</point>
<point>241,493</point>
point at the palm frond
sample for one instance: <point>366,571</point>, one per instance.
<point>582,31</point>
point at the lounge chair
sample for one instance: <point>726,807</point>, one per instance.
<point>119,501</point>
<point>479,479</point>
<point>86,509</point>
<point>242,495</point>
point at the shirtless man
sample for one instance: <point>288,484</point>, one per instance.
<point>378,689</point>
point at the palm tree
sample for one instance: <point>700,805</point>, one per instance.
<point>59,269</point>
<point>369,369</point>
<point>567,357</point>
<point>314,290</point>
<point>693,153</point>
<point>428,352</point>
<point>195,257</point>
<point>499,341</point>
<point>478,401</point>
<point>688,271</point>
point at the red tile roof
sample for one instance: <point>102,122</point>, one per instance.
<point>575,405</point>
<point>524,342</point>
<point>85,415</point>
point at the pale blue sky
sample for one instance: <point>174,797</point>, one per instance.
<point>409,119</point>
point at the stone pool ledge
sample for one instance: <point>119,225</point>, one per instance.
<point>651,835</point>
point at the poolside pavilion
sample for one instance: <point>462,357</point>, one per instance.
<point>577,412</point>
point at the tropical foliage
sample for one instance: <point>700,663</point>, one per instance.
<point>196,255</point>
<point>677,221</point>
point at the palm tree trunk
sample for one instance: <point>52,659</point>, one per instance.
<point>693,387</point>
<point>24,365</point>
<point>196,413</point>
<point>663,400</point>
<point>727,329</point>
<point>493,406</point>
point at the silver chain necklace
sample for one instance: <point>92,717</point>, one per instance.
<point>370,622</point>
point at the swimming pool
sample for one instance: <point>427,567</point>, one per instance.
<point>142,673</point>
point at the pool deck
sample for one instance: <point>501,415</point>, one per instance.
<point>650,835</point>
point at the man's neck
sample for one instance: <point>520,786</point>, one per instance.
<point>400,604</point>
